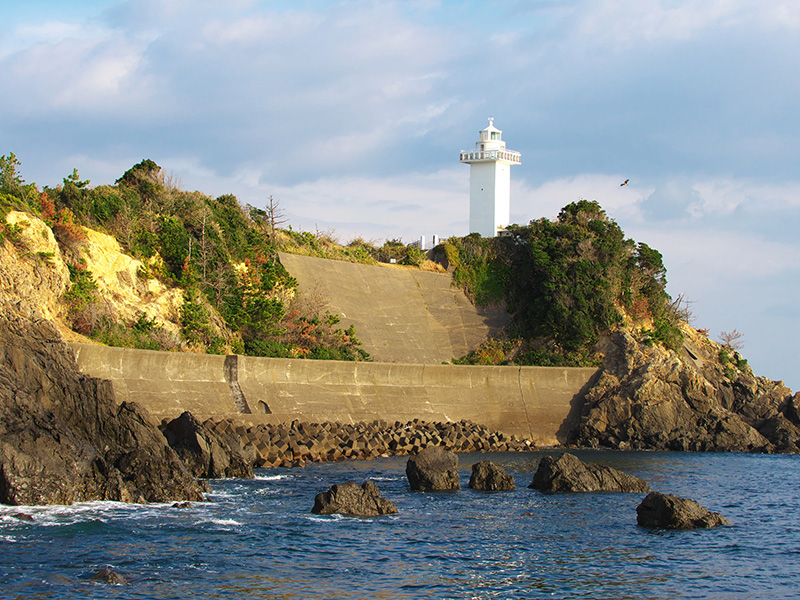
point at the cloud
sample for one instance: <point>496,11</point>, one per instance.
<point>547,200</point>
<point>352,114</point>
<point>626,23</point>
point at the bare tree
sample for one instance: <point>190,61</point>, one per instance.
<point>269,218</point>
<point>275,216</point>
<point>732,339</point>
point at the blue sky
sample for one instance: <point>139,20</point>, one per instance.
<point>352,115</point>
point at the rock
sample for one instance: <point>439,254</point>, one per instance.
<point>106,575</point>
<point>182,505</point>
<point>352,499</point>
<point>568,474</point>
<point>433,469</point>
<point>487,476</point>
<point>671,512</point>
<point>205,453</point>
<point>63,437</point>
<point>702,398</point>
<point>20,516</point>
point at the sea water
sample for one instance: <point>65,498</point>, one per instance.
<point>258,539</point>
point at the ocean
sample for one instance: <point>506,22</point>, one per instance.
<point>258,539</point>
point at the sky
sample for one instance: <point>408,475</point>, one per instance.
<point>352,114</point>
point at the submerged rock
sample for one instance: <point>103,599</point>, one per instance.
<point>352,499</point>
<point>433,469</point>
<point>671,512</point>
<point>568,473</point>
<point>206,453</point>
<point>106,575</point>
<point>487,476</point>
<point>63,437</point>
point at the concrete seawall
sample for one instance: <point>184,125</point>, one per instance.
<point>538,403</point>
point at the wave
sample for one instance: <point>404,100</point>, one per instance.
<point>270,477</point>
<point>223,522</point>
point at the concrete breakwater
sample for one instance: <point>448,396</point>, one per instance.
<point>298,443</point>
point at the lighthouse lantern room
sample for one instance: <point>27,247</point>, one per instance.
<point>490,182</point>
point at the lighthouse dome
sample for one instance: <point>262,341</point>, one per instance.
<point>491,133</point>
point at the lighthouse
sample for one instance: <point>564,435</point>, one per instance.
<point>490,182</point>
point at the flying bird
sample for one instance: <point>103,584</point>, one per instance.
<point>624,182</point>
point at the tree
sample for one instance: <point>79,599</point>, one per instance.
<point>269,218</point>
<point>10,181</point>
<point>732,339</point>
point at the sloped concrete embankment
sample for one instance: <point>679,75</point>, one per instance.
<point>400,315</point>
<point>535,403</point>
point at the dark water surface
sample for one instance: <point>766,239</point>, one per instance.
<point>258,539</point>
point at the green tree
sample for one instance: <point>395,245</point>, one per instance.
<point>174,244</point>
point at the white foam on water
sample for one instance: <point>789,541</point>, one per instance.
<point>270,477</point>
<point>223,522</point>
<point>325,518</point>
<point>220,494</point>
<point>53,515</point>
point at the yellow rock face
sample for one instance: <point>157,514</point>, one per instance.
<point>117,277</point>
<point>33,275</point>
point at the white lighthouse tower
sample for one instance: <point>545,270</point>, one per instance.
<point>490,182</point>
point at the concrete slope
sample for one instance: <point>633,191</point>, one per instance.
<point>400,315</point>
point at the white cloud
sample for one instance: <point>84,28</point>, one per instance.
<point>713,259</point>
<point>626,23</point>
<point>723,196</point>
<point>547,199</point>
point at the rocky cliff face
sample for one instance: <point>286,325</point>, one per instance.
<point>700,399</point>
<point>119,282</point>
<point>34,277</point>
<point>64,439</point>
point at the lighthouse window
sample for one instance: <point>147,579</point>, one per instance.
<point>495,135</point>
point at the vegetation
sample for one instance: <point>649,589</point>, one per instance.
<point>222,256</point>
<point>565,282</point>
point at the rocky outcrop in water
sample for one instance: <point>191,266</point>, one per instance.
<point>64,439</point>
<point>109,576</point>
<point>433,469</point>
<point>206,453</point>
<point>487,476</point>
<point>352,499</point>
<point>568,473</point>
<point>705,398</point>
<point>666,511</point>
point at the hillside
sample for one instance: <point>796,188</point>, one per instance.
<point>177,270</point>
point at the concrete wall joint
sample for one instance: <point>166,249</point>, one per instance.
<point>232,378</point>
<point>524,404</point>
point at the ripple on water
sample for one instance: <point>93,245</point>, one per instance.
<point>257,538</point>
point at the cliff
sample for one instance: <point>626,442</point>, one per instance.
<point>702,398</point>
<point>63,437</point>
<point>35,278</point>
